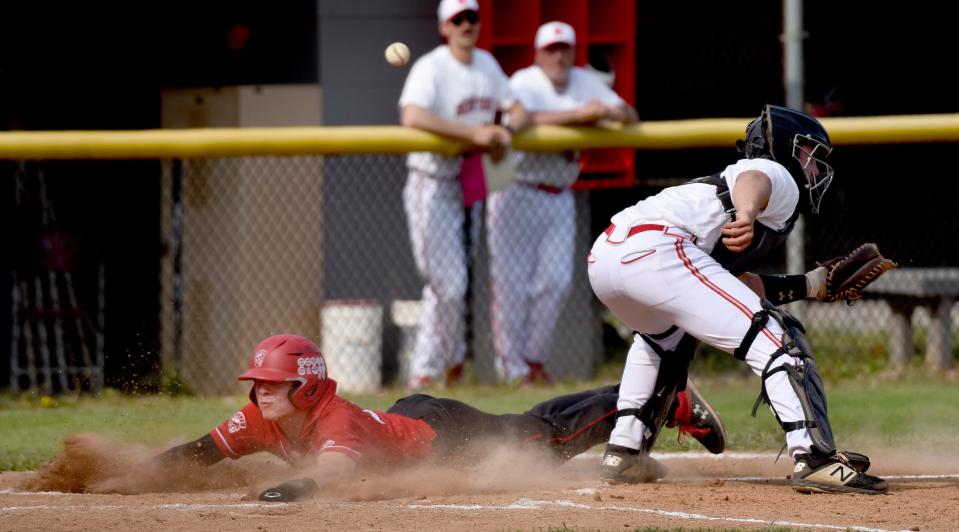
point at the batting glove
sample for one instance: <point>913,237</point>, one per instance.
<point>294,490</point>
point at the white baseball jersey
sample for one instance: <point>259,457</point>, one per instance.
<point>696,208</point>
<point>470,94</point>
<point>537,93</point>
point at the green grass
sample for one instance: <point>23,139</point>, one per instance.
<point>865,414</point>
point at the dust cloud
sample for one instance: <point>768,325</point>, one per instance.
<point>96,464</point>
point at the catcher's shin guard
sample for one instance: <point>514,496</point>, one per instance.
<point>803,378</point>
<point>673,371</point>
<point>677,402</point>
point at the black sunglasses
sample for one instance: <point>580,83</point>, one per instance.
<point>469,16</point>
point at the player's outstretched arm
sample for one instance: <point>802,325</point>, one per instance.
<point>841,278</point>
<point>201,451</point>
<point>784,288</point>
<point>331,467</point>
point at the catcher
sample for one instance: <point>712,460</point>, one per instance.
<point>295,414</point>
<point>674,267</point>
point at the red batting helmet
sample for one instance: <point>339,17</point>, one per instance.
<point>288,357</point>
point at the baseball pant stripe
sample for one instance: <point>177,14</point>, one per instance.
<point>565,439</point>
<point>722,293</point>
<point>422,221</point>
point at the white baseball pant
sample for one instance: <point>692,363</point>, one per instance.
<point>531,234</point>
<point>434,211</point>
<point>657,278</point>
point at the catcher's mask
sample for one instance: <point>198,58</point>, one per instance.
<point>288,357</point>
<point>796,141</point>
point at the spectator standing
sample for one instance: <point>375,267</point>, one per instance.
<point>455,90</point>
<point>532,224</point>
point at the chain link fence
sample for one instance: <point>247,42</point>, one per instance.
<point>320,246</point>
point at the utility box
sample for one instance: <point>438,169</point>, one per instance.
<point>242,106</point>
<point>244,236</point>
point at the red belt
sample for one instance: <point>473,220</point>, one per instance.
<point>546,188</point>
<point>636,229</point>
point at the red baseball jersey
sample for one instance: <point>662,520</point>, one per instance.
<point>369,437</point>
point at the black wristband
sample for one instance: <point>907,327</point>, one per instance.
<point>782,289</point>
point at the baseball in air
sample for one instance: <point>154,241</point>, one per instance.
<point>397,54</point>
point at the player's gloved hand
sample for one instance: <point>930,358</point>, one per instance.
<point>293,490</point>
<point>847,275</point>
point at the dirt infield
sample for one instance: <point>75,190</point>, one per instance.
<point>119,491</point>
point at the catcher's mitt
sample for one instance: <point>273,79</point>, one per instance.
<point>849,274</point>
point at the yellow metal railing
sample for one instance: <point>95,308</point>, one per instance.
<point>666,134</point>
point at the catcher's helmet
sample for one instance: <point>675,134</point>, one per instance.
<point>796,141</point>
<point>288,357</point>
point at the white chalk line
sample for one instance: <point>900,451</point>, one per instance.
<point>581,491</point>
<point>174,506</point>
<point>521,504</point>
<point>526,504</point>
<point>688,455</point>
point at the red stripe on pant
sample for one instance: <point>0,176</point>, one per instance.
<point>722,293</point>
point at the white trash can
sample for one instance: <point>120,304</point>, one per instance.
<point>406,317</point>
<point>352,338</point>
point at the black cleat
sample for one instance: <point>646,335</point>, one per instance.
<point>834,474</point>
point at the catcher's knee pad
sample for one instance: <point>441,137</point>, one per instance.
<point>804,377</point>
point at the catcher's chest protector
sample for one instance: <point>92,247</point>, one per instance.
<point>764,238</point>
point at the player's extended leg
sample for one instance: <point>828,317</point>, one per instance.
<point>435,216</point>
<point>462,431</point>
<point>580,420</point>
<point>585,419</point>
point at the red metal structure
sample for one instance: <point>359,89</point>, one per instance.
<point>603,27</point>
